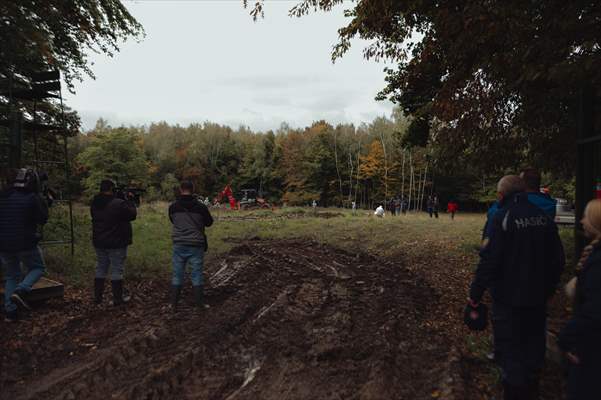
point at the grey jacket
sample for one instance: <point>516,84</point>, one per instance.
<point>189,218</point>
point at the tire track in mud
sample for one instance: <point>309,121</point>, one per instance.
<point>288,319</point>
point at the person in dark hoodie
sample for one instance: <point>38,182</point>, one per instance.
<point>581,337</point>
<point>189,218</point>
<point>520,264</point>
<point>111,234</point>
<point>22,209</point>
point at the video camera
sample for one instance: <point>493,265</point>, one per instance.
<point>129,193</point>
<point>33,181</point>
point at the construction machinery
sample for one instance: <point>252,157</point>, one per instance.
<point>250,200</point>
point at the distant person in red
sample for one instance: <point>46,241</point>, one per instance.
<point>452,208</point>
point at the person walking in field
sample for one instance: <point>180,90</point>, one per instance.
<point>432,205</point>
<point>452,208</point>
<point>581,337</point>
<point>22,209</point>
<point>189,218</point>
<point>111,235</point>
<point>520,264</point>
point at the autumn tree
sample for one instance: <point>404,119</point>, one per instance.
<point>498,79</point>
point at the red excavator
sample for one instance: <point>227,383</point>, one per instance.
<point>227,192</point>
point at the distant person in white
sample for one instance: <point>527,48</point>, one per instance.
<point>379,211</point>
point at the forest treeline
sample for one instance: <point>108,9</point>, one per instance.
<point>334,165</point>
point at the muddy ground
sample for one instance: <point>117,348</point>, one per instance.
<point>288,319</point>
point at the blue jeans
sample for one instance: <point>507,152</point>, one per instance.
<point>113,259</point>
<point>32,260</point>
<point>183,254</point>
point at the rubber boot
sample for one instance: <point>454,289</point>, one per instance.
<point>174,295</point>
<point>119,296</point>
<point>198,296</point>
<point>98,290</point>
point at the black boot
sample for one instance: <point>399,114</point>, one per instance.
<point>174,295</point>
<point>198,296</point>
<point>119,294</point>
<point>98,290</point>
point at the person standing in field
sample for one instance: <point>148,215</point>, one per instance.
<point>22,209</point>
<point>452,208</point>
<point>404,205</point>
<point>432,205</point>
<point>397,206</point>
<point>189,218</point>
<point>581,337</point>
<point>520,264</point>
<point>111,235</point>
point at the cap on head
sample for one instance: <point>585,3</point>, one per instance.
<point>107,185</point>
<point>510,184</point>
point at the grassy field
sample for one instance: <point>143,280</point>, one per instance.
<point>150,255</point>
<point>442,253</point>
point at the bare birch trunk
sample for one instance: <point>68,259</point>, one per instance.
<point>350,183</point>
<point>421,203</point>
<point>403,176</point>
<point>336,162</point>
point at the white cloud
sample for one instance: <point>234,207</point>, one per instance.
<point>208,60</point>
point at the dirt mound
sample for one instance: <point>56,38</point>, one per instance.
<point>287,319</point>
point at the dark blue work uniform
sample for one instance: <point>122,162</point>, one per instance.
<point>521,265</point>
<point>582,335</point>
<point>542,200</point>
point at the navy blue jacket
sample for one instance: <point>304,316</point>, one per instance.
<point>523,258</point>
<point>542,200</point>
<point>582,334</point>
<point>20,214</point>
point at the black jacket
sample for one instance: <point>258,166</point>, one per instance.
<point>582,334</point>
<point>189,218</point>
<point>111,221</point>
<point>523,259</point>
<point>20,214</point>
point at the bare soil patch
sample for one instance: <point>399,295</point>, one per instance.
<point>287,319</point>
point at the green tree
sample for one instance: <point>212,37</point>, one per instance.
<point>498,79</point>
<point>55,34</point>
<point>116,155</point>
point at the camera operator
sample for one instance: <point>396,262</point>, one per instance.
<point>22,209</point>
<point>111,234</point>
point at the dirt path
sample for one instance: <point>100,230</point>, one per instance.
<point>288,319</point>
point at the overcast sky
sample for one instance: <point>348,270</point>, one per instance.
<point>205,60</point>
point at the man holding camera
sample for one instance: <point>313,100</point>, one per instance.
<point>22,209</point>
<point>111,234</point>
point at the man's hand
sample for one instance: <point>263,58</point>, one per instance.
<point>573,358</point>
